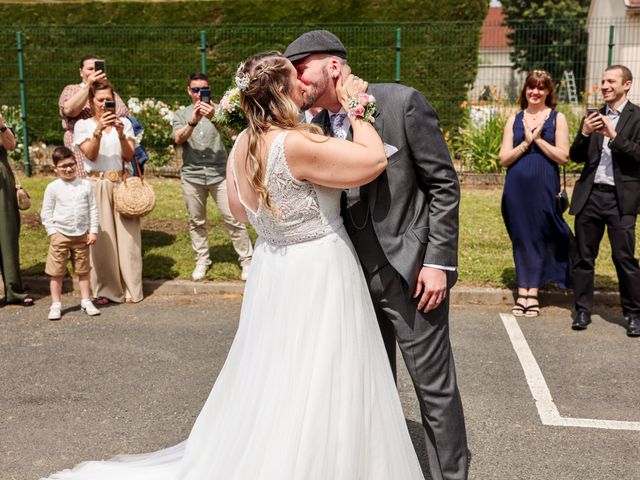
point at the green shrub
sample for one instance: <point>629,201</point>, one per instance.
<point>12,117</point>
<point>478,141</point>
<point>157,138</point>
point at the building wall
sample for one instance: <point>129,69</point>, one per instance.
<point>496,71</point>
<point>626,43</point>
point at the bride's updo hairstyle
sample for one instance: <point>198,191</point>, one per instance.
<point>264,83</point>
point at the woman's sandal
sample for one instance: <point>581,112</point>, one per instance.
<point>519,310</point>
<point>23,302</point>
<point>533,310</point>
<point>101,301</point>
<point>27,301</point>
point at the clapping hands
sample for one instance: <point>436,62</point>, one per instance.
<point>532,132</point>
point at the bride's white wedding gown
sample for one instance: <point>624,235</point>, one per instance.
<point>306,392</point>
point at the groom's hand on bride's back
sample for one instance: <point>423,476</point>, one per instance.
<point>431,288</point>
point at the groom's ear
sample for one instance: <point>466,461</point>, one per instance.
<point>335,68</point>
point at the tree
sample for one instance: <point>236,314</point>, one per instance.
<point>548,35</point>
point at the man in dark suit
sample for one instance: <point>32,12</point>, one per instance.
<point>608,194</point>
<point>404,226</point>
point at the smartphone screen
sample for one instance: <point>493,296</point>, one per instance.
<point>99,65</point>
<point>205,95</point>
<point>591,111</point>
<point>110,105</point>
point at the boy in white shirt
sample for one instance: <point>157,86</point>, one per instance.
<point>70,215</point>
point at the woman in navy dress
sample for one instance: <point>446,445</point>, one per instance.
<point>535,142</point>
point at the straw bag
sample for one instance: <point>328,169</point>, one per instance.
<point>23,198</point>
<point>133,197</point>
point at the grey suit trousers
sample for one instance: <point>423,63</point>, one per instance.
<point>424,342</point>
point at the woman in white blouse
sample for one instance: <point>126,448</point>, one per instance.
<point>108,144</point>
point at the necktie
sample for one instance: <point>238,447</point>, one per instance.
<point>337,121</point>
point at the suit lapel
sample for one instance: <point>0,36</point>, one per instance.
<point>625,115</point>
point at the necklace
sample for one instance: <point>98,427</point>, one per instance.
<point>536,116</point>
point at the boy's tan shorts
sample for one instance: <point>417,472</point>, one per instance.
<point>63,246</point>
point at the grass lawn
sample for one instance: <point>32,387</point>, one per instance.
<point>166,245</point>
<point>485,249</point>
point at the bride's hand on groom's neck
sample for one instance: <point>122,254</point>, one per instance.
<point>349,86</point>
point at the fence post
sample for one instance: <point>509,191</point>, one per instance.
<point>398,48</point>
<point>23,107</point>
<point>611,45</point>
<point>203,52</point>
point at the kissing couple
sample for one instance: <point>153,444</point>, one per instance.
<point>357,217</point>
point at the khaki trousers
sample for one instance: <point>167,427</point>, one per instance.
<point>116,257</point>
<point>195,197</point>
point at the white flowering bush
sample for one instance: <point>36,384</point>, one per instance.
<point>12,117</point>
<point>157,139</point>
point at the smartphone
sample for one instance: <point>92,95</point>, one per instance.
<point>110,106</point>
<point>591,111</point>
<point>205,95</point>
<point>99,65</point>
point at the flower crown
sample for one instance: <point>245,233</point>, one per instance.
<point>242,78</point>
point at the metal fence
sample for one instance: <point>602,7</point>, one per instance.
<point>575,51</point>
<point>448,61</point>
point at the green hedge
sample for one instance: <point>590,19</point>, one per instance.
<point>438,56</point>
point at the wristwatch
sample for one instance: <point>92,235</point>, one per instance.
<point>193,125</point>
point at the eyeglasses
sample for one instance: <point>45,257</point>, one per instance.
<point>68,166</point>
<point>197,89</point>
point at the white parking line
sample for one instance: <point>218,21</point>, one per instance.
<point>547,410</point>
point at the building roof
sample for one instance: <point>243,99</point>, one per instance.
<point>632,5</point>
<point>494,34</point>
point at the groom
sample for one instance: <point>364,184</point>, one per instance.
<point>404,226</point>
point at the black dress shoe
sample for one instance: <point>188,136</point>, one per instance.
<point>582,320</point>
<point>633,329</point>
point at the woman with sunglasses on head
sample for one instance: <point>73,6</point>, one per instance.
<point>534,144</point>
<point>108,145</point>
<point>10,224</point>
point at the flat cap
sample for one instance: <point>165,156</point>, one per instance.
<point>316,41</point>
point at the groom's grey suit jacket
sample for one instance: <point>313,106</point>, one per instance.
<point>414,203</point>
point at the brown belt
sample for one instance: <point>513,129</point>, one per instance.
<point>111,175</point>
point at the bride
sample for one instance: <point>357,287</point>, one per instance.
<point>306,392</point>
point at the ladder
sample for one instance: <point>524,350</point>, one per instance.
<point>570,92</point>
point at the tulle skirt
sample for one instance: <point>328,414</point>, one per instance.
<point>306,392</point>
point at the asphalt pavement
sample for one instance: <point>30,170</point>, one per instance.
<point>134,379</point>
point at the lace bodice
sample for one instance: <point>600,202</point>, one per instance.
<point>302,211</point>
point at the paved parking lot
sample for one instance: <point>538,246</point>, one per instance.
<point>134,379</point>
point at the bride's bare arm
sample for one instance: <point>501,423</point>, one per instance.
<point>338,163</point>
<point>237,210</point>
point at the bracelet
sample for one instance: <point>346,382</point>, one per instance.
<point>97,135</point>
<point>192,125</point>
<point>362,107</point>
